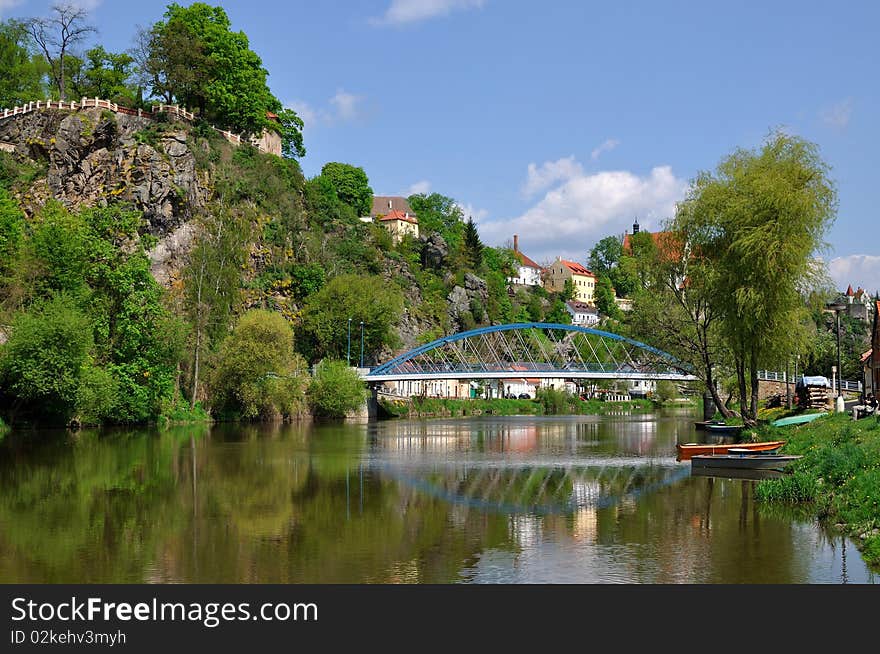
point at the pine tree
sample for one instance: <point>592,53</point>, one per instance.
<point>473,247</point>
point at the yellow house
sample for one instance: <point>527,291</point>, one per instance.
<point>400,223</point>
<point>584,281</point>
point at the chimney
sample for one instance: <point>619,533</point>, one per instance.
<point>389,204</point>
<point>516,242</point>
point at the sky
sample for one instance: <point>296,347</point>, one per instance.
<point>563,121</point>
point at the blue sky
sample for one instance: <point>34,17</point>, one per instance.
<point>562,120</point>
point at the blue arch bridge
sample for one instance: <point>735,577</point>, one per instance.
<point>532,349</point>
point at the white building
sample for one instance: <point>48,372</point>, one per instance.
<point>528,273</point>
<point>582,314</point>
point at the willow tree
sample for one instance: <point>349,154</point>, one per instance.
<point>753,228</point>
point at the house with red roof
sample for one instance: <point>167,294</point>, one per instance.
<point>395,215</point>
<point>528,272</point>
<point>584,281</point>
<point>858,303</point>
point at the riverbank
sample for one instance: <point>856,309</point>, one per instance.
<point>838,476</point>
<point>432,407</point>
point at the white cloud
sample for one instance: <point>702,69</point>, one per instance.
<point>550,173</point>
<point>343,107</point>
<point>838,115</point>
<point>305,111</point>
<point>606,146</point>
<point>404,12</point>
<point>856,269</point>
<point>572,217</point>
<point>422,186</point>
<point>470,211</point>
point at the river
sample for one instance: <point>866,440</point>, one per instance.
<point>573,499</point>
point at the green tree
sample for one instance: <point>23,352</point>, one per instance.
<point>605,301</point>
<point>43,361</point>
<point>605,255</point>
<point>326,313</point>
<point>105,74</point>
<point>568,293</point>
<point>212,280</point>
<point>336,390</point>
<point>22,78</point>
<point>351,185</point>
<point>194,58</point>
<point>439,213</point>
<point>755,226</point>
<point>257,372</point>
<point>11,232</point>
<point>473,246</point>
<point>559,314</point>
<point>55,35</point>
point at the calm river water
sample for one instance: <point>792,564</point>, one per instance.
<point>576,499</point>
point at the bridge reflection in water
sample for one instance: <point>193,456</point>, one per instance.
<point>536,469</point>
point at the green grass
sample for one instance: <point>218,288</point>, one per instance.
<point>839,475</point>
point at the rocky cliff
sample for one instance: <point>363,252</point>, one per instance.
<point>94,156</point>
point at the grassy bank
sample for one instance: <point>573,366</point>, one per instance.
<point>838,477</point>
<point>430,407</point>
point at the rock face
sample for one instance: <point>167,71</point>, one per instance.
<point>468,304</point>
<point>435,251</point>
<point>96,157</point>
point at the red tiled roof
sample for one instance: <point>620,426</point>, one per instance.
<point>576,268</point>
<point>525,261</point>
<point>849,291</point>
<point>400,215</point>
<point>271,116</point>
<point>666,242</point>
<point>866,355</point>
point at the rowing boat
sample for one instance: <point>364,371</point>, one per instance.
<point>797,420</point>
<point>688,450</point>
<point>724,430</point>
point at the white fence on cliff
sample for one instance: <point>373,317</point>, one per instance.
<point>100,103</point>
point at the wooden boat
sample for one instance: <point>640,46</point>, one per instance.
<point>688,450</point>
<point>702,424</point>
<point>797,420</point>
<point>747,461</point>
<point>724,430</point>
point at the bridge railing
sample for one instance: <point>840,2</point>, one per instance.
<point>783,378</point>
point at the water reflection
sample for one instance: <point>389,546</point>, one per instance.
<point>514,500</point>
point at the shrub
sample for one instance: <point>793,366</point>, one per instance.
<point>257,373</point>
<point>336,390</point>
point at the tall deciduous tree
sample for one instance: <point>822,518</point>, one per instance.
<point>212,280</point>
<point>22,78</point>
<point>351,186</point>
<point>325,318</point>
<point>194,58</point>
<point>753,227</point>
<point>56,34</point>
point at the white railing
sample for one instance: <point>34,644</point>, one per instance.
<point>173,109</point>
<point>782,377</point>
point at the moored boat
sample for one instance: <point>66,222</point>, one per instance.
<point>687,450</point>
<point>797,420</point>
<point>702,424</point>
<point>748,461</point>
<point>724,430</point>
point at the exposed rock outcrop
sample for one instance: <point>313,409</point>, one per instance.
<point>468,304</point>
<point>95,157</point>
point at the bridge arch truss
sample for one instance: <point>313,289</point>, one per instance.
<point>534,350</point>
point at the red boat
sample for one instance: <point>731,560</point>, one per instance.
<point>686,451</point>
